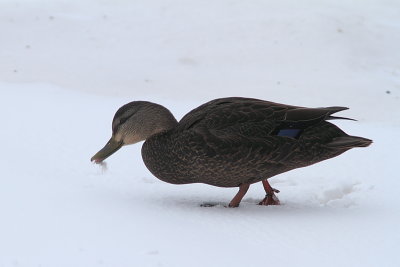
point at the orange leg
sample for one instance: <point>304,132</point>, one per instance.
<point>236,200</point>
<point>270,197</point>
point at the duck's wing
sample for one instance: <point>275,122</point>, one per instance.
<point>224,113</point>
<point>241,140</point>
<point>253,118</point>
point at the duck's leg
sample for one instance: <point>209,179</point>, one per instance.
<point>242,191</point>
<point>270,197</point>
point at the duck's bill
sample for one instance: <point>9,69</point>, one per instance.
<point>110,148</point>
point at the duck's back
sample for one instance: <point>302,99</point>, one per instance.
<point>230,141</point>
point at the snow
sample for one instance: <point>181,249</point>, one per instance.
<point>68,66</point>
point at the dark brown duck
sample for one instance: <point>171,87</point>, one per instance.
<point>229,142</point>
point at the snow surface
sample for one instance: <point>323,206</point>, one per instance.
<point>66,67</point>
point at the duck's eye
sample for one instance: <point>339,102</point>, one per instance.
<point>123,120</point>
<point>119,122</point>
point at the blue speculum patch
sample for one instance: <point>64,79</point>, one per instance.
<point>294,133</point>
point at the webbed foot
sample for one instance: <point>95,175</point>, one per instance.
<point>270,199</point>
<point>236,200</point>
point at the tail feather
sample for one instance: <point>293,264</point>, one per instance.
<point>334,110</point>
<point>347,142</point>
<point>339,118</point>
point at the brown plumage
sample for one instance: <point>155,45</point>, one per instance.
<point>229,142</point>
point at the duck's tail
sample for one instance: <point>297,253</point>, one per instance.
<point>347,142</point>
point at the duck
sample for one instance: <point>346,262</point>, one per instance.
<point>229,142</point>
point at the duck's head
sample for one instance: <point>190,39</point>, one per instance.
<point>135,122</point>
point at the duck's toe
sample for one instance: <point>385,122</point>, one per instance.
<point>270,199</point>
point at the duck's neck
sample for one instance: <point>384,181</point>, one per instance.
<point>161,121</point>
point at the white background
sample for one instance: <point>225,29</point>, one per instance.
<point>67,66</point>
